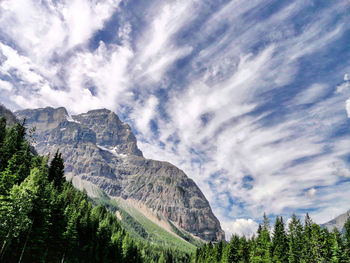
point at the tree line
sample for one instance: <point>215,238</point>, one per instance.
<point>43,218</point>
<point>299,243</point>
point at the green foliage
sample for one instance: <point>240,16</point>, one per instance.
<point>295,240</point>
<point>338,248</point>
<point>56,170</point>
<point>262,245</point>
<point>279,242</point>
<point>308,243</point>
<point>347,238</point>
<point>231,252</point>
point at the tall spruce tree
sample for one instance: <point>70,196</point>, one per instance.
<point>316,243</point>
<point>347,239</point>
<point>307,255</point>
<point>262,244</point>
<point>56,170</point>
<point>338,248</point>
<point>295,240</point>
<point>279,246</point>
<point>231,252</point>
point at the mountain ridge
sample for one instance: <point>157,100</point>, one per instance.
<point>337,222</point>
<point>100,149</point>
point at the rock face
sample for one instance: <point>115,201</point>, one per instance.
<point>338,222</point>
<point>10,118</point>
<point>100,149</point>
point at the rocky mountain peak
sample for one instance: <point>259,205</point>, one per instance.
<point>101,151</point>
<point>44,118</point>
<point>110,131</point>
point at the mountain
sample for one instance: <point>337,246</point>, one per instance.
<point>337,222</point>
<point>101,155</point>
<point>10,117</point>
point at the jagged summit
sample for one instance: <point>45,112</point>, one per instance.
<point>101,151</point>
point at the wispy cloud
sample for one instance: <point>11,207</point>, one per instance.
<point>248,98</point>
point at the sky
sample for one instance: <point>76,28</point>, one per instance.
<point>250,98</point>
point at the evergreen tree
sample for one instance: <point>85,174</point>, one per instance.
<point>326,245</point>
<point>56,170</point>
<point>295,240</point>
<point>218,251</point>
<point>41,218</point>
<point>2,130</point>
<point>231,252</point>
<point>244,250</point>
<point>316,243</point>
<point>261,251</point>
<point>347,239</point>
<point>338,248</point>
<point>279,246</point>
<point>307,255</point>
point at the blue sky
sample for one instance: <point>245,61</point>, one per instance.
<point>249,98</point>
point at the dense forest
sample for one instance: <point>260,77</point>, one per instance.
<point>43,218</point>
<point>299,243</point>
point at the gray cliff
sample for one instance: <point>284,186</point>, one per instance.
<point>100,149</point>
<point>10,118</point>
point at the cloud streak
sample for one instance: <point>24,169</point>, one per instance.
<point>247,98</point>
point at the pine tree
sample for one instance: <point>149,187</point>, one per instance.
<point>41,218</point>
<point>316,243</point>
<point>231,252</point>
<point>347,239</point>
<point>295,240</point>
<point>307,235</point>
<point>56,170</point>
<point>244,250</point>
<point>2,130</point>
<point>279,242</point>
<point>261,251</point>
<point>338,249</point>
<point>326,244</point>
<point>218,251</point>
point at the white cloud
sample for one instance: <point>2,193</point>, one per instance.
<point>156,49</point>
<point>22,66</point>
<point>83,18</point>
<point>144,114</point>
<point>312,94</point>
<point>5,85</point>
<point>42,29</point>
<point>311,193</point>
<point>241,227</point>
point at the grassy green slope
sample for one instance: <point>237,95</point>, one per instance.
<point>139,226</point>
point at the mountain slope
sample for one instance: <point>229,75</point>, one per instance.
<point>337,222</point>
<point>9,116</point>
<point>100,150</point>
